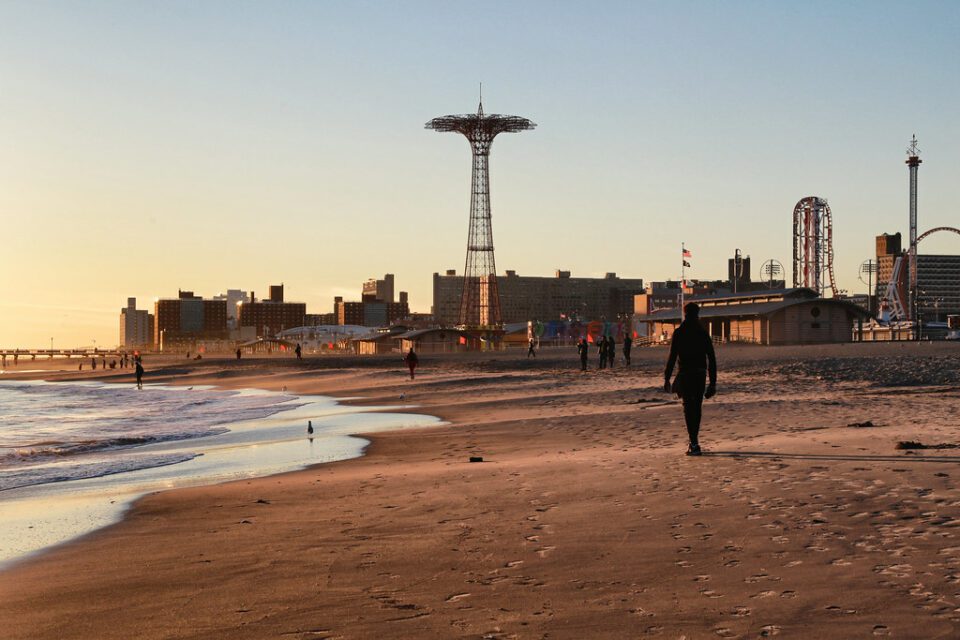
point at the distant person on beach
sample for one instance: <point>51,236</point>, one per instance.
<point>602,349</point>
<point>238,354</point>
<point>299,352</point>
<point>584,350</point>
<point>693,347</point>
<point>611,351</point>
<point>139,371</point>
<point>531,351</point>
<point>627,345</point>
<point>93,363</point>
<point>412,361</point>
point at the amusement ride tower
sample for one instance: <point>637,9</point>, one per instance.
<point>480,301</point>
<point>913,161</point>
<point>813,245</point>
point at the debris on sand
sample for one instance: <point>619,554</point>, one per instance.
<point>913,444</point>
<point>861,425</point>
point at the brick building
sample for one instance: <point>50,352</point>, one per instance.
<point>271,316</point>
<point>524,298</point>
<point>188,318</point>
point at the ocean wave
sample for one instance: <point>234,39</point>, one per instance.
<point>40,451</point>
<point>30,476</point>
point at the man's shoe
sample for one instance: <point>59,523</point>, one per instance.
<point>694,450</point>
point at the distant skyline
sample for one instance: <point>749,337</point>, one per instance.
<point>147,147</point>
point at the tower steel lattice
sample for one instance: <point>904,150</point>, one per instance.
<point>480,301</point>
<point>813,245</point>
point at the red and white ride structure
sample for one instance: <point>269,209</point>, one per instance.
<point>813,246</point>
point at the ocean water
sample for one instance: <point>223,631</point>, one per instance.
<point>74,456</point>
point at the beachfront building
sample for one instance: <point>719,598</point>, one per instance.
<point>785,316</point>
<point>524,298</point>
<point>136,327</point>
<point>182,322</point>
<point>438,341</point>
<point>271,316</point>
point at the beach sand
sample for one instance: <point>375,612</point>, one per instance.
<point>585,519</point>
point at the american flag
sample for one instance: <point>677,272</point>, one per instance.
<point>687,254</point>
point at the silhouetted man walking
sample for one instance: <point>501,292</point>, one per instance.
<point>693,347</point>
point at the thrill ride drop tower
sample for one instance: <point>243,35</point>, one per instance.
<point>480,301</point>
<point>913,161</point>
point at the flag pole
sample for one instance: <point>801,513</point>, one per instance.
<point>683,275</point>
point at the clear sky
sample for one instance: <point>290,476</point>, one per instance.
<point>151,146</point>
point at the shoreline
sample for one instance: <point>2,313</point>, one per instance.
<point>584,520</point>
<point>75,508</point>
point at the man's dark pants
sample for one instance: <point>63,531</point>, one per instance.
<point>692,386</point>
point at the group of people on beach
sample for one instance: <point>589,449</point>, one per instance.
<point>607,350</point>
<point>123,362</point>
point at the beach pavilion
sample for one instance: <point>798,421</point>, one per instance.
<point>781,316</point>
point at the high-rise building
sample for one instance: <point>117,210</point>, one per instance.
<point>233,298</point>
<point>381,290</point>
<point>371,313</point>
<point>271,316</point>
<point>136,326</point>
<point>188,318</point>
<point>524,298</point>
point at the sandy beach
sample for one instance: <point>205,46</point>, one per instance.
<point>585,519</point>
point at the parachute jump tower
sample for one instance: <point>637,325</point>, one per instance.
<point>813,246</point>
<point>480,301</point>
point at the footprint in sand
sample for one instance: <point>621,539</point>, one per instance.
<point>513,563</point>
<point>769,630</point>
<point>881,630</point>
<point>544,551</point>
<point>723,632</point>
<point>788,594</point>
<point>682,563</point>
<point>731,563</point>
<point>703,578</point>
<point>741,612</point>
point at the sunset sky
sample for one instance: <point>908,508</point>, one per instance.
<point>146,147</point>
